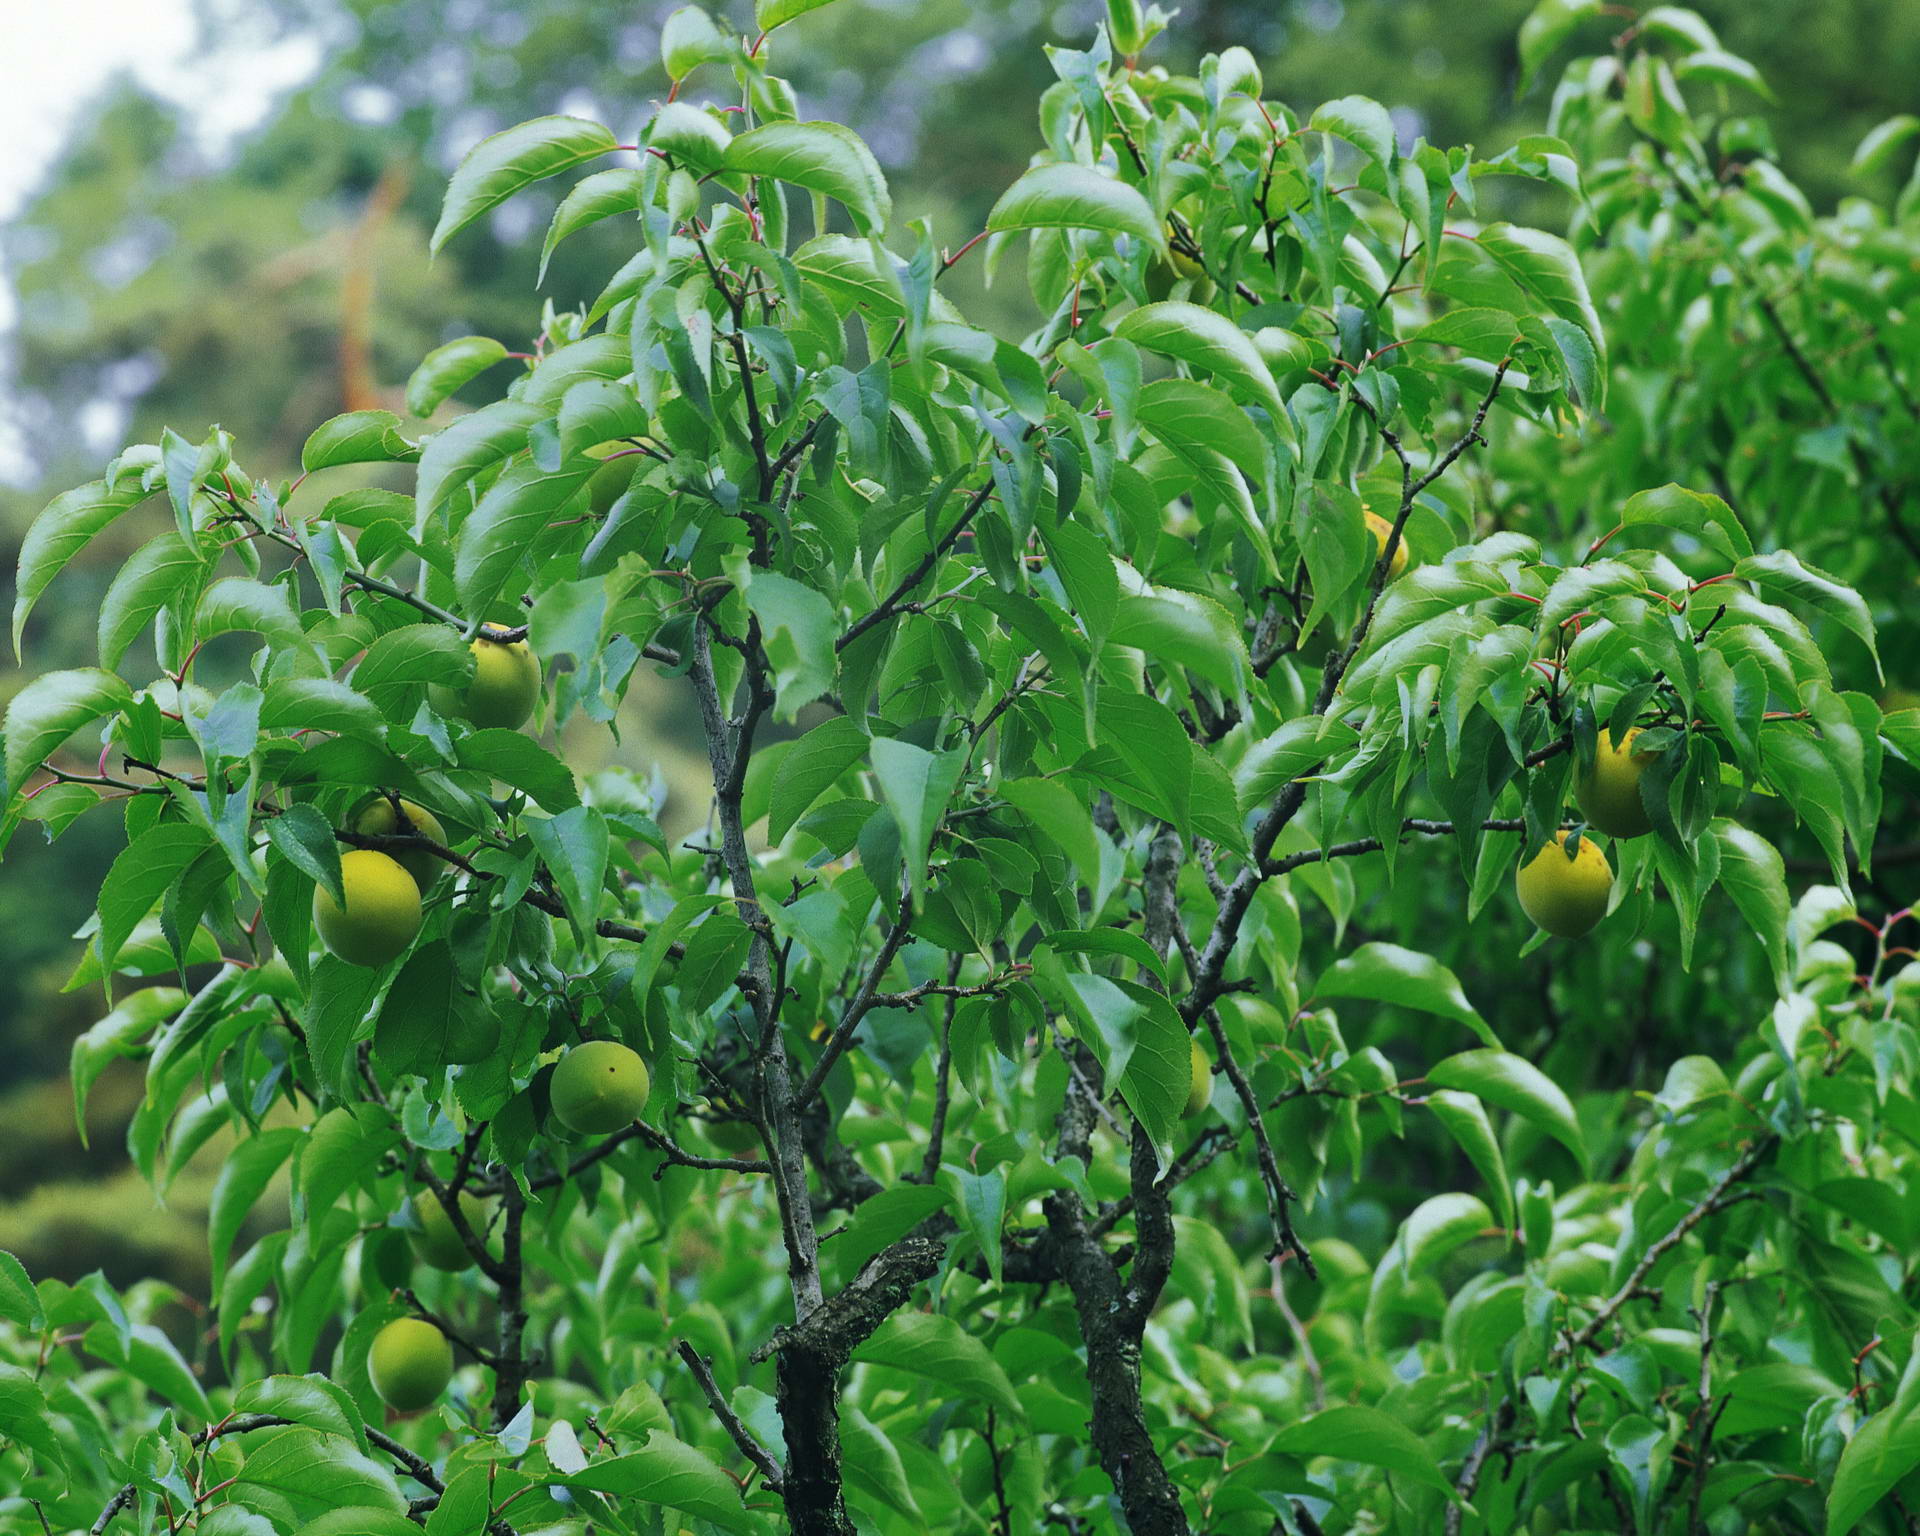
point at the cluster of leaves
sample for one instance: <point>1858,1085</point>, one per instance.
<point>1095,691</point>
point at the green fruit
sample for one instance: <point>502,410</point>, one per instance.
<point>1200,1095</point>
<point>378,819</point>
<point>609,483</point>
<point>434,1240</point>
<point>600,1087</point>
<point>382,913</point>
<point>1566,896</point>
<point>505,686</point>
<point>1608,793</point>
<point>411,1363</point>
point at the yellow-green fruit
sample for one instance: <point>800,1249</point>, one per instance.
<point>600,1087</point>
<point>1566,896</point>
<point>1608,793</point>
<point>1382,530</point>
<point>506,682</point>
<point>1200,1095</point>
<point>411,1363</point>
<point>609,483</point>
<point>378,820</point>
<point>434,1241</point>
<point>382,913</point>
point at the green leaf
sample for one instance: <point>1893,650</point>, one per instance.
<point>158,571</point>
<point>668,1471</point>
<point>493,542</point>
<point>446,368</point>
<point>575,846</point>
<point>1550,24</point>
<point>809,768</point>
<point>597,411</point>
<point>19,1302</point>
<point>1704,516</point>
<point>500,166</point>
<point>1203,338</point>
<point>358,437</point>
<point>603,195</point>
<point>59,533</point>
<point>1755,876</point>
<point>1546,267</point>
<point>1214,438</point>
<point>306,841</point>
<point>1386,973</point>
<point>467,447</point>
<point>797,628</point>
<point>1076,197</point>
<point>980,1199</point>
<point>405,660</point>
<point>1354,1432</point>
<point>1465,1118</point>
<point>1883,142</point>
<point>25,1418</point>
<point>1783,571</point>
<point>1063,816</point>
<point>691,135</point>
<point>519,760</point>
<point>768,14</point>
<point>916,785</point>
<point>689,39</point>
<point>873,1468</point>
<point>934,1346</point>
<point>51,708</point>
<point>139,877</point>
<point>1515,1084</point>
<point>1363,123</point>
<point>244,1178</point>
<point>315,1473</point>
<point>824,158</point>
<point>234,603</point>
<point>1435,1228</point>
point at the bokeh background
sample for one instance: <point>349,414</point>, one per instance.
<point>217,211</point>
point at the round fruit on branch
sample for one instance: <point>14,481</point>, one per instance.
<point>410,1363</point>
<point>600,1087</point>
<point>1566,893</point>
<point>382,911</point>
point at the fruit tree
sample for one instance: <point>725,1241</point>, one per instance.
<point>1286,937</point>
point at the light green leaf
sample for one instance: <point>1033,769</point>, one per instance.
<point>446,368</point>
<point>1354,1432</point>
<point>1515,1084</point>
<point>689,39</point>
<point>1386,973</point>
<point>139,877</point>
<point>1203,338</point>
<point>825,158</point>
<point>60,532</point>
<point>933,1345</point>
<point>1784,572</point>
<point>1706,517</point>
<point>769,14</point>
<point>494,540</point>
<point>500,166</point>
<point>51,708</point>
<point>1465,1118</point>
<point>670,1472</point>
<point>797,627</point>
<point>1076,197</point>
<point>359,437</point>
<point>158,571</point>
<point>916,785</point>
<point>1755,876</point>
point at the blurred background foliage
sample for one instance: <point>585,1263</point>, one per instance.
<point>284,278</point>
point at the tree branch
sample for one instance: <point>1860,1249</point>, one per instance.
<point>742,1437</point>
